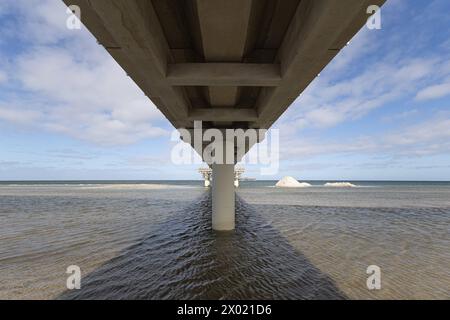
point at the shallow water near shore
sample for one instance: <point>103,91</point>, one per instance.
<point>153,240</point>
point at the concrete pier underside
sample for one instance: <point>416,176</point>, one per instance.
<point>229,63</point>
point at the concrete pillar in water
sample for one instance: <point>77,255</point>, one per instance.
<point>223,197</point>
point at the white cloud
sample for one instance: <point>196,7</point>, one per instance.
<point>427,138</point>
<point>424,136</point>
<point>434,92</point>
<point>400,116</point>
<point>328,102</point>
<point>3,77</point>
<point>39,21</point>
<point>72,84</point>
<point>21,116</point>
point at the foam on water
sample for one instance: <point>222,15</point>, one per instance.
<point>340,184</point>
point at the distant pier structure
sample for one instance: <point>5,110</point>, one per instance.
<point>207,175</point>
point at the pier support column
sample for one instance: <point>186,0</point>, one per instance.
<point>223,197</point>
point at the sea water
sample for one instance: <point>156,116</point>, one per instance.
<point>153,240</point>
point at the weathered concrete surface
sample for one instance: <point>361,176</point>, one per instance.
<point>229,63</point>
<point>192,55</point>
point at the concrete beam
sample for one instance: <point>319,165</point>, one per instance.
<point>231,20</point>
<point>318,31</point>
<point>223,114</point>
<point>224,74</point>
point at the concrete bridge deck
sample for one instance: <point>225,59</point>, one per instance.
<point>228,63</point>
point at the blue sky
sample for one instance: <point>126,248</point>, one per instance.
<point>380,110</point>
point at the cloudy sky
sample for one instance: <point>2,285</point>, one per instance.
<point>380,110</point>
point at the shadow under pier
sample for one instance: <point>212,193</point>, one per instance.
<point>183,258</point>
